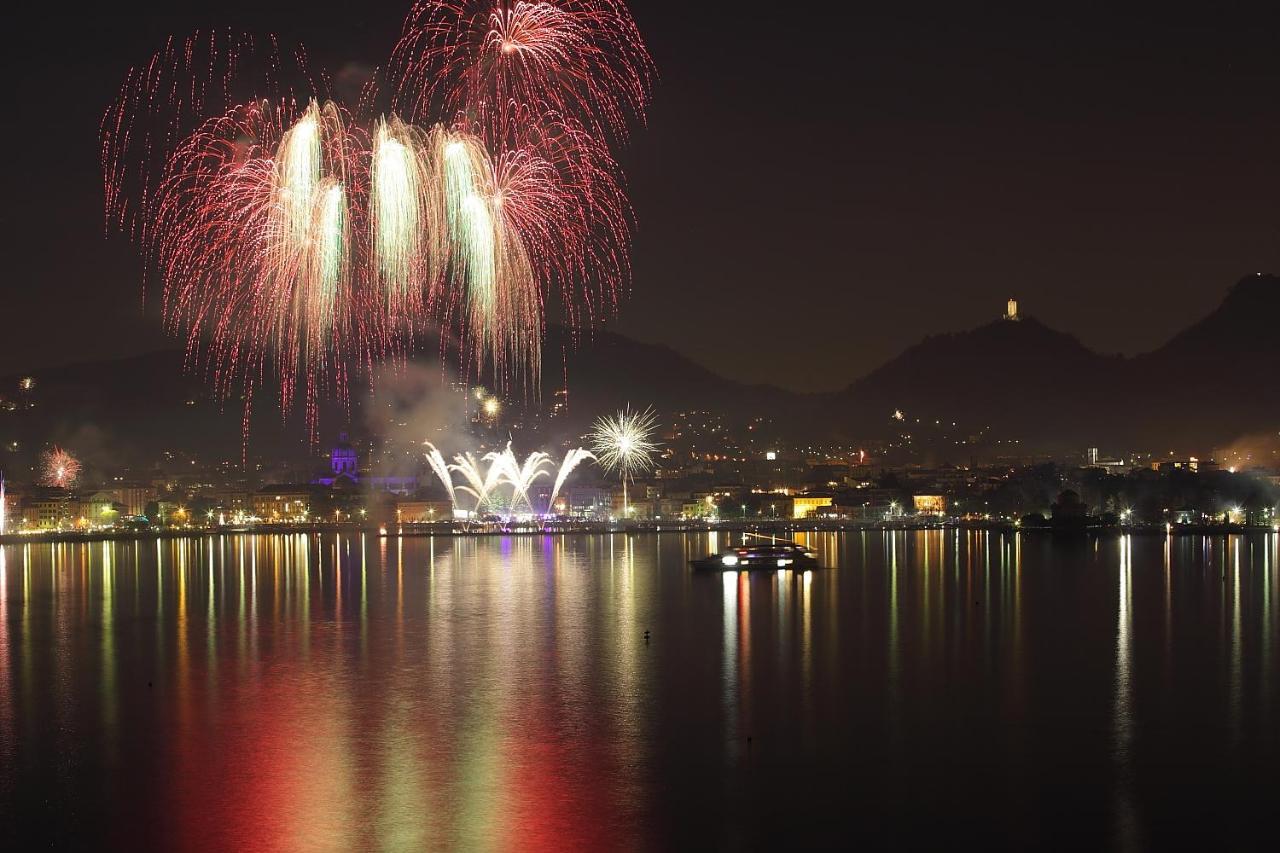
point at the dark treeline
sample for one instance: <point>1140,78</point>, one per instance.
<point>1145,495</point>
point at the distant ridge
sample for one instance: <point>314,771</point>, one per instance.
<point>608,370</point>
<point>1206,386</point>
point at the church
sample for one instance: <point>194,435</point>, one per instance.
<point>344,472</point>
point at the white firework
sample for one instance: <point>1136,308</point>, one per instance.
<point>572,460</point>
<point>625,443</point>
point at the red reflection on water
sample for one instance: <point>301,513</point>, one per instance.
<point>558,786</point>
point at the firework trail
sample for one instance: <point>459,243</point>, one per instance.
<point>297,240</point>
<point>58,468</point>
<point>520,476</point>
<point>624,443</point>
<point>503,468</point>
<point>480,484</point>
<point>572,460</point>
<point>441,469</point>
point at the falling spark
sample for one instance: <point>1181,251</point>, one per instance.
<point>581,58</point>
<point>297,240</point>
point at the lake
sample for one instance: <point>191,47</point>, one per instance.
<point>340,692</point>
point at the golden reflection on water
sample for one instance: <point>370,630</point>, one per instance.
<point>8,712</point>
<point>1123,714</point>
<point>1232,553</point>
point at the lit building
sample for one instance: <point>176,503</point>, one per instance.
<point>342,459</point>
<point>929,504</point>
<point>44,511</point>
<point>803,506</point>
<point>344,470</point>
<point>132,498</point>
<point>560,402</point>
<point>587,501</point>
<point>100,508</point>
<point>418,512</point>
<point>282,502</point>
<point>1011,310</point>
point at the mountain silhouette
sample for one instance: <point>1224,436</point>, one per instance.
<point>1208,385</point>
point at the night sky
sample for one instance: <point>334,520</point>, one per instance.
<point>816,190</point>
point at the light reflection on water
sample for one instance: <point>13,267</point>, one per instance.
<point>354,692</point>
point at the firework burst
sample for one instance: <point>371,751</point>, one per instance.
<point>58,468</point>
<point>625,443</point>
<point>580,58</point>
<point>403,216</point>
<point>254,239</point>
<point>298,239</point>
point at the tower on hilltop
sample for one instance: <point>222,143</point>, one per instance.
<point>1011,311</point>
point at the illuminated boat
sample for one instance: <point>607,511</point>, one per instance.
<point>772,555</point>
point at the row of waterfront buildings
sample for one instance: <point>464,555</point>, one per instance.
<point>748,484</point>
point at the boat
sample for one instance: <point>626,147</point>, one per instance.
<point>764,555</point>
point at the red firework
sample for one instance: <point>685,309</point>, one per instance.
<point>578,58</point>
<point>296,239</point>
<point>58,468</point>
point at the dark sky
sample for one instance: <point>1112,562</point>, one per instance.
<point>816,189</point>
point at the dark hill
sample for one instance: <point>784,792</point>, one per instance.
<point>1019,377</point>
<point>609,370</point>
<point>1207,386</point>
<point>1215,380</point>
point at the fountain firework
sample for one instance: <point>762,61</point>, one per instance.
<point>479,482</point>
<point>520,476</point>
<point>441,468</point>
<point>571,460</point>
<point>493,470</point>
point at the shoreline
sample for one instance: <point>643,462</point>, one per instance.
<point>767,528</point>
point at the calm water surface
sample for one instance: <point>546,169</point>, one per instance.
<point>351,692</point>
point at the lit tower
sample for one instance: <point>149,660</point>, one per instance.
<point>1011,311</point>
<point>342,459</point>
